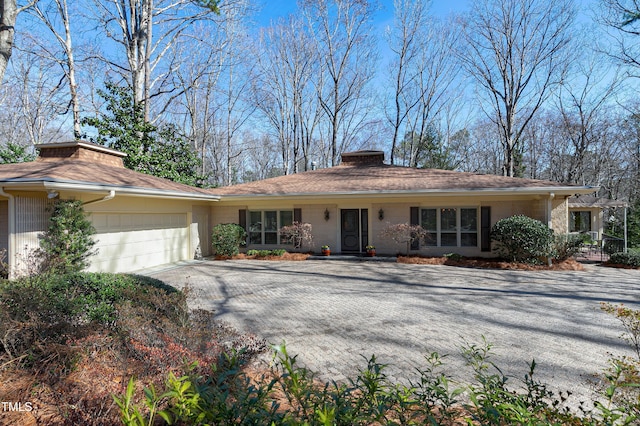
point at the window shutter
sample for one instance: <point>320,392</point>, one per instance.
<point>242,219</point>
<point>485,228</point>
<point>297,215</point>
<point>415,220</point>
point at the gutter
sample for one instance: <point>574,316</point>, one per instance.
<point>11,232</point>
<point>109,196</point>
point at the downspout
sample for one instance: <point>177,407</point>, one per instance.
<point>107,197</point>
<point>550,210</point>
<point>11,233</point>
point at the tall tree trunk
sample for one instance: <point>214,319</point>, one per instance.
<point>8,15</point>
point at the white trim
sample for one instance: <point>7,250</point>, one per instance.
<point>45,185</point>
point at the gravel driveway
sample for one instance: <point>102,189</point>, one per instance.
<point>332,313</point>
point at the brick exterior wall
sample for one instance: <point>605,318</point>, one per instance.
<point>80,153</point>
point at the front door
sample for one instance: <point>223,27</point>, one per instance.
<point>350,219</point>
<point>354,230</point>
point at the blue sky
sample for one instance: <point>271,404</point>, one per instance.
<point>278,8</point>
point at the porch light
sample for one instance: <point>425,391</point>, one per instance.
<point>380,214</point>
<point>52,194</point>
<point>327,214</point>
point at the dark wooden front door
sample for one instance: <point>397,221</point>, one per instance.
<point>350,219</point>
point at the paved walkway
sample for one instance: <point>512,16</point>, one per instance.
<point>331,313</point>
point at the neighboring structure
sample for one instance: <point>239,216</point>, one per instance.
<point>586,215</point>
<point>141,221</point>
<point>349,205</point>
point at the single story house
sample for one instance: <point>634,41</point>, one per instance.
<point>143,221</point>
<point>349,205</point>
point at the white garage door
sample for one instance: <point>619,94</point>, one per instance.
<point>128,242</point>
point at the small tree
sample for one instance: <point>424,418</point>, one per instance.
<point>523,239</point>
<point>227,238</point>
<point>67,244</point>
<point>403,233</point>
<point>298,234</point>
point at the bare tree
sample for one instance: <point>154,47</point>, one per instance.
<point>582,105</point>
<point>404,40</point>
<point>623,16</point>
<point>9,10</point>
<point>55,14</point>
<point>283,89</point>
<point>343,37</point>
<point>516,51</point>
<point>146,30</point>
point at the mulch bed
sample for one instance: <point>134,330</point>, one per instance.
<point>483,263</point>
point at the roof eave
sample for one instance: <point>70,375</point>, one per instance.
<point>555,190</point>
<point>45,185</point>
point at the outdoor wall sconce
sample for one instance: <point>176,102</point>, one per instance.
<point>380,214</point>
<point>327,214</point>
<point>51,194</point>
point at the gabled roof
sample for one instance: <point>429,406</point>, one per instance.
<point>83,166</point>
<point>368,179</point>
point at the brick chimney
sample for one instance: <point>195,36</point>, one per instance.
<point>80,151</point>
<point>362,158</point>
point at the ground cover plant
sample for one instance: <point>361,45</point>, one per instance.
<point>290,394</point>
<point>630,260</point>
<point>68,342</point>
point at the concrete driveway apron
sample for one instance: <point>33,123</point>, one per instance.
<point>334,314</point>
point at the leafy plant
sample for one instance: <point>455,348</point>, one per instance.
<point>299,234</point>
<point>157,151</point>
<point>567,245</point>
<point>67,244</point>
<point>631,259</point>
<point>404,233</point>
<point>522,239</point>
<point>226,239</point>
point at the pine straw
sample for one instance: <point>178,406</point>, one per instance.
<point>483,263</point>
<point>296,257</point>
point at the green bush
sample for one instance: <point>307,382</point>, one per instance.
<point>67,244</point>
<point>227,238</point>
<point>48,307</point>
<point>522,239</point>
<point>567,245</point>
<point>265,253</point>
<point>629,259</point>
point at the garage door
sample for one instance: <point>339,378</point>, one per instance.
<point>128,242</point>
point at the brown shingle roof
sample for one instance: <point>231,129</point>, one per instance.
<point>82,173</point>
<point>346,179</point>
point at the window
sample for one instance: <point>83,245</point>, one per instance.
<point>450,227</point>
<point>264,226</point>
<point>580,221</point>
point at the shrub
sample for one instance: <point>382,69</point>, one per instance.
<point>522,239</point>
<point>567,245</point>
<point>227,238</point>
<point>629,259</point>
<point>299,234</point>
<point>47,307</point>
<point>403,233</point>
<point>67,244</point>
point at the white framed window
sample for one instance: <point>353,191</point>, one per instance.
<point>265,224</point>
<point>450,226</point>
